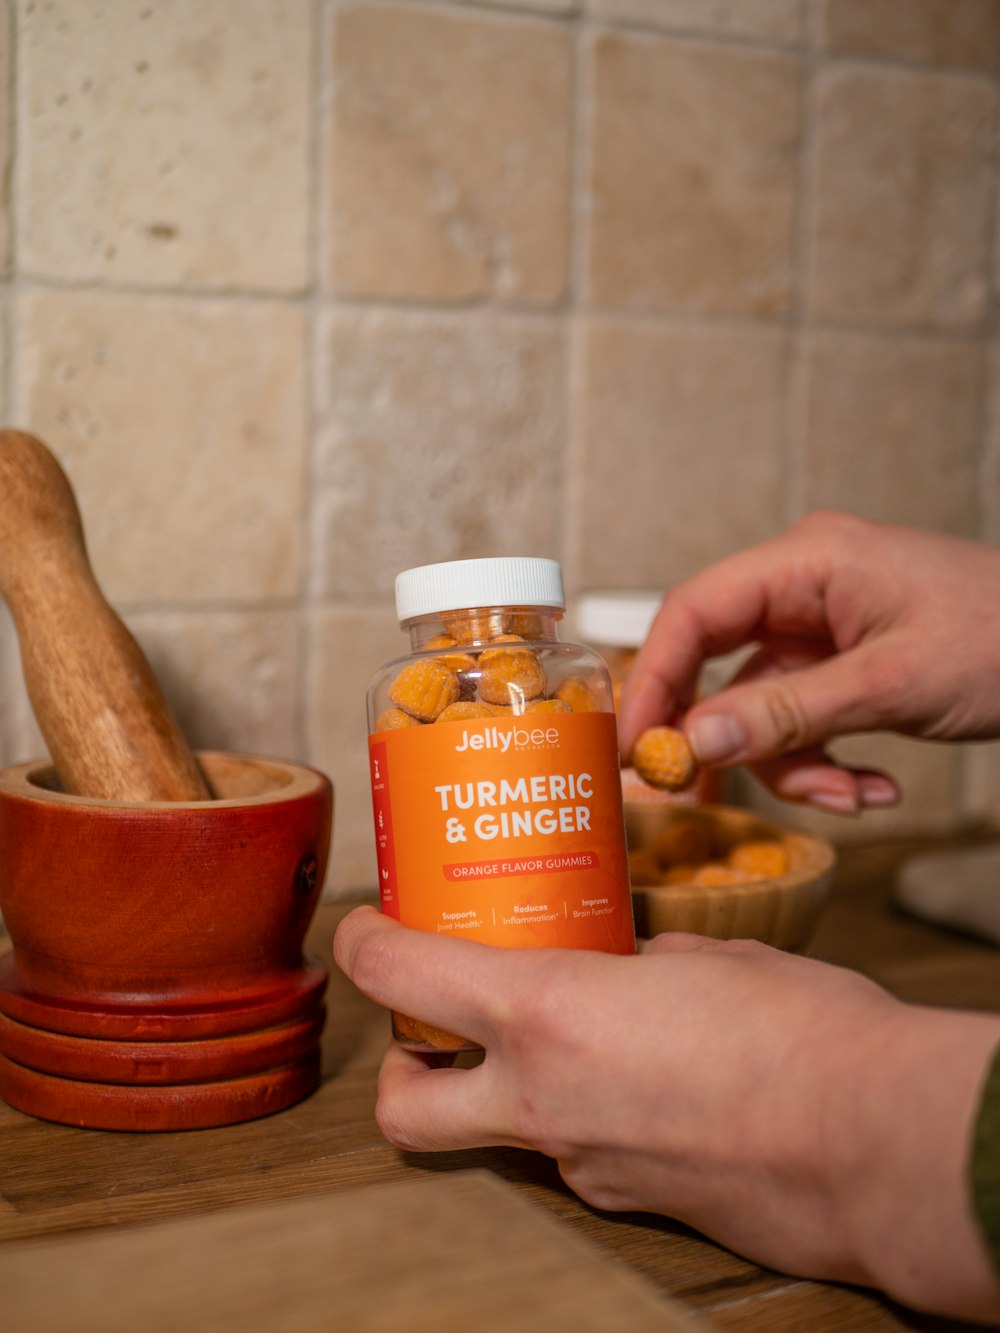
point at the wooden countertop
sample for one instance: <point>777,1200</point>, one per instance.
<point>92,1197</point>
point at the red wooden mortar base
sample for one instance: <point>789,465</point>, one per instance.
<point>157,979</point>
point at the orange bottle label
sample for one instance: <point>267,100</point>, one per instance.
<point>508,831</point>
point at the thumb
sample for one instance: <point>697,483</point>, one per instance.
<point>782,713</point>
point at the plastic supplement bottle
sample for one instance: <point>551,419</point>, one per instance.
<point>616,624</point>
<point>493,758</point>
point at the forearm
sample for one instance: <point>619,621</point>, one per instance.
<point>903,1179</point>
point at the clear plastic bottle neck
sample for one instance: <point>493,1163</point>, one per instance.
<point>479,626</point>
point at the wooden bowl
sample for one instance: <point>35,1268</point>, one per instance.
<point>781,910</point>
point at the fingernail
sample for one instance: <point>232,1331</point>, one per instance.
<point>715,738</point>
<point>836,802</point>
<point>878,792</point>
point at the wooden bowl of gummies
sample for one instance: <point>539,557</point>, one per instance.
<point>726,873</point>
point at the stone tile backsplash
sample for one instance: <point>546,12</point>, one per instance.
<point>448,155</point>
<point>951,34</point>
<point>303,292</point>
<point>891,428</point>
<point>902,198</point>
<point>163,144</point>
<point>680,450</point>
<point>692,175</point>
<point>182,425</point>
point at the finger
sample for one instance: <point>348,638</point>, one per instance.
<point>423,1109</point>
<point>877,790</point>
<point>720,609</point>
<point>783,587</point>
<point>812,777</point>
<point>681,942</point>
<point>453,984</point>
<point>777,655</point>
<point>794,711</point>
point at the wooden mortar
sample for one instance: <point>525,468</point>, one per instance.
<point>157,979</point>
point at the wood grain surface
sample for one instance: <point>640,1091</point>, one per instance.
<point>456,1252</point>
<point>57,1182</point>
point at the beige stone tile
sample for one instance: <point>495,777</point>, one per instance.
<point>765,20</point>
<point>930,776</point>
<point>166,143</point>
<point>692,175</point>
<point>231,677</point>
<point>442,439</point>
<point>348,646</point>
<point>948,33</point>
<point>679,449</point>
<point>180,423</point>
<point>6,309</point>
<point>5,132</point>
<point>902,182</point>
<point>20,738</point>
<point>891,428</point>
<point>448,155</point>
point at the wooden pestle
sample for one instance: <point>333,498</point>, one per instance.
<point>96,700</point>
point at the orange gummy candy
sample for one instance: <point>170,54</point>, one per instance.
<point>464,711</point>
<point>457,661</point>
<point>663,758</point>
<point>424,689</point>
<point>682,874</point>
<point>413,1029</point>
<point>473,626</point>
<point>642,868</point>
<point>526,624</point>
<point>577,695</point>
<point>546,706</point>
<point>715,875</point>
<point>393,719</point>
<point>686,840</point>
<point>510,675</point>
<point>766,859</point>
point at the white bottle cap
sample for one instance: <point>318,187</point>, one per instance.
<point>617,619</point>
<point>457,584</point>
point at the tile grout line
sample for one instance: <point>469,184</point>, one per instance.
<point>13,193</point>
<point>793,419</point>
<point>480,10</point>
<point>21,719</point>
<point>320,32</point>
<point>674,317</point>
<point>579,218</point>
<point>581,14</point>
